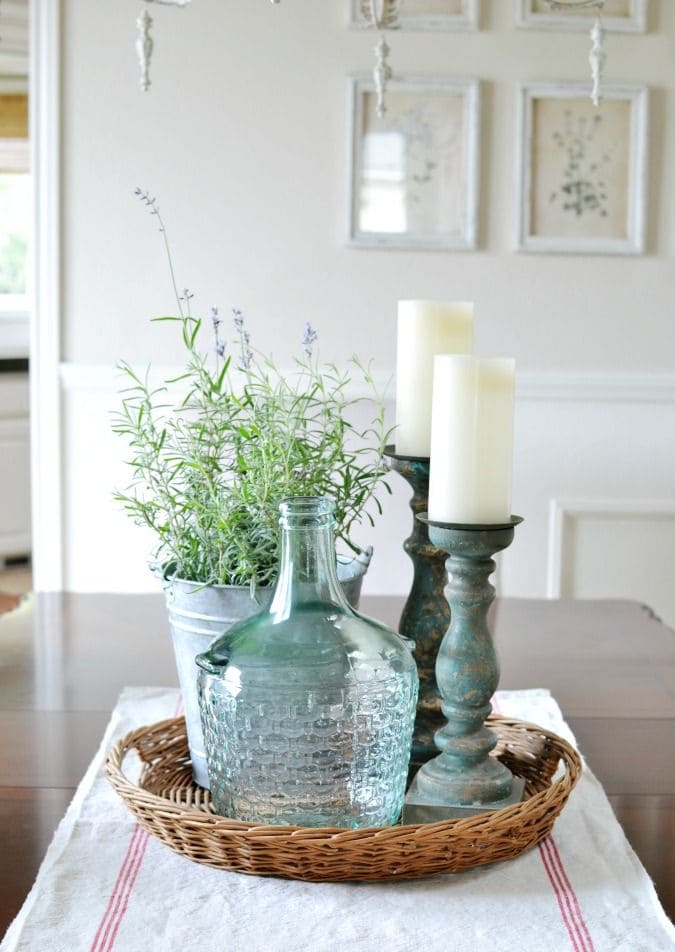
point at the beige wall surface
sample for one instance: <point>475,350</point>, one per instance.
<point>243,139</point>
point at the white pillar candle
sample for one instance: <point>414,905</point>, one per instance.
<point>425,328</point>
<point>472,440</point>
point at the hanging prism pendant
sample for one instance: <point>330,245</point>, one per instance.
<point>463,779</point>
<point>144,47</point>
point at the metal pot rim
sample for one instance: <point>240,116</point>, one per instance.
<point>161,571</point>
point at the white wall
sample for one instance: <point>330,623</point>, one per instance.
<point>242,137</point>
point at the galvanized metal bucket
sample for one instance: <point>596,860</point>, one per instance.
<point>198,614</point>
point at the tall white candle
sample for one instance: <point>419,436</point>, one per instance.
<point>425,328</point>
<point>472,440</point>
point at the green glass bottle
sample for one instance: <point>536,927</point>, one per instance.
<point>308,707</point>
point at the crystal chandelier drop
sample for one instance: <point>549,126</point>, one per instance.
<point>381,15</point>
<point>597,55</point>
<point>144,41</point>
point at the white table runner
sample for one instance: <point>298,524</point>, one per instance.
<point>106,884</point>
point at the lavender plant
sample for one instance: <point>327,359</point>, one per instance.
<point>210,467</point>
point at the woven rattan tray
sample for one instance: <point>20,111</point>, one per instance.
<point>171,807</point>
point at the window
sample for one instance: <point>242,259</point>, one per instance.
<point>15,216</point>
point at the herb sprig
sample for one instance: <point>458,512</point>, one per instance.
<point>211,465</point>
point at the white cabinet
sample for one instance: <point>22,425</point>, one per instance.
<point>15,535</point>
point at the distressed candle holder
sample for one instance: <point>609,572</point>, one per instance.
<point>463,779</point>
<point>426,613</point>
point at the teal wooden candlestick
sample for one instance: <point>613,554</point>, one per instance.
<point>463,777</point>
<point>426,613</point>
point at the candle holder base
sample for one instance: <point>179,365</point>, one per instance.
<point>420,807</point>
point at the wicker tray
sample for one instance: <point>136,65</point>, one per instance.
<point>171,807</point>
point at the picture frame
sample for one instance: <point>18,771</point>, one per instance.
<point>617,16</point>
<point>581,169</point>
<point>414,173</point>
<point>425,15</point>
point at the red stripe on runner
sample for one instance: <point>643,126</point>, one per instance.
<point>578,916</point>
<point>119,898</point>
<point>116,894</point>
<point>562,898</point>
<point>565,895</point>
<point>130,885</point>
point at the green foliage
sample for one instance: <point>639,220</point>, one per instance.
<point>210,466</point>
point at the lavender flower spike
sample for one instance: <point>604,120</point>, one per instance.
<point>147,199</point>
<point>246,357</point>
<point>220,348</point>
<point>309,338</point>
<point>215,320</point>
<point>246,352</point>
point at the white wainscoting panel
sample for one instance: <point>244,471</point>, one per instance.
<point>598,547</point>
<point>607,440</point>
<point>614,454</point>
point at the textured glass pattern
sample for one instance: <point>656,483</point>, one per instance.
<point>310,757</point>
<point>308,708</point>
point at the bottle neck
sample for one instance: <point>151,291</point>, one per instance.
<point>308,571</point>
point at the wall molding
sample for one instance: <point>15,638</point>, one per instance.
<point>637,408</point>
<point>576,387</point>
<point>45,330</point>
<point>105,378</point>
<point>561,511</point>
<point>555,386</point>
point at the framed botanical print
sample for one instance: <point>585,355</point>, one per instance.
<point>581,169</point>
<point>413,179</point>
<point>418,14</point>
<point>621,16</point>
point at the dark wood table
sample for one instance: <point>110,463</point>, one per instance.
<point>64,659</point>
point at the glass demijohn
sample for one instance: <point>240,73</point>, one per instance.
<point>308,707</point>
